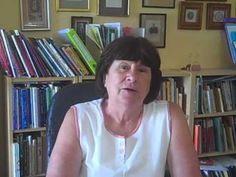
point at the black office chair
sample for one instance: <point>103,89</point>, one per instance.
<point>61,102</point>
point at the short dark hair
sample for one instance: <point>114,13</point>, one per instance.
<point>133,49</point>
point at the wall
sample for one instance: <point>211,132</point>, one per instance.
<point>206,47</point>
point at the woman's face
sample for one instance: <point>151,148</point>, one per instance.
<point>128,81</point>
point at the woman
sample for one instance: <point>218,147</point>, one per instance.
<point>127,132</point>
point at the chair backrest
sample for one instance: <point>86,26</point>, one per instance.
<point>61,102</point>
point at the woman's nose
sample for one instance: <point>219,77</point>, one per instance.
<point>131,76</point>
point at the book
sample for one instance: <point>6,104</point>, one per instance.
<point>196,137</point>
<point>39,64</point>
<point>75,60</point>
<point>93,31</point>
<point>23,57</point>
<point>8,49</point>
<point>132,31</point>
<point>25,53</point>
<point>71,36</point>
<point>3,59</point>
<point>57,58</point>
<point>16,159</point>
<point>230,31</point>
<point>46,58</point>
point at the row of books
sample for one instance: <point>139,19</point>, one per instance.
<point>31,104</point>
<point>98,36</point>
<point>103,34</point>
<point>42,57</point>
<point>173,91</point>
<point>215,95</point>
<point>218,167</point>
<point>217,134</point>
<point>22,56</point>
<point>29,154</point>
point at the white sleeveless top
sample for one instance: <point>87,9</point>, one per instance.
<point>141,154</point>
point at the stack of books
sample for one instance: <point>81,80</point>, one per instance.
<point>39,57</point>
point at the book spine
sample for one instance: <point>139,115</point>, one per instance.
<point>8,51</point>
<point>50,58</point>
<point>23,61</point>
<point>83,51</point>
<point>3,59</point>
<point>45,58</point>
<point>74,58</point>
<point>62,63</point>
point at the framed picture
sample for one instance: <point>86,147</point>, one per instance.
<point>216,12</point>
<point>34,15</point>
<point>155,28</point>
<point>79,24</point>
<point>159,3</point>
<point>113,7</point>
<point>190,15</point>
<point>73,5</point>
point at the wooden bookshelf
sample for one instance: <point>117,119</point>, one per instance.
<point>9,84</point>
<point>184,79</point>
<point>214,77</point>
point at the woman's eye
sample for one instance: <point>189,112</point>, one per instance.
<point>143,69</point>
<point>123,67</point>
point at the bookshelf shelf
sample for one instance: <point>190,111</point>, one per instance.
<point>219,114</point>
<point>43,79</point>
<point>213,154</point>
<point>28,130</point>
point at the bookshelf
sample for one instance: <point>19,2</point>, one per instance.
<point>14,133</point>
<point>180,78</point>
<point>206,113</point>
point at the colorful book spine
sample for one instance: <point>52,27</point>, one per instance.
<point>70,35</point>
<point>3,59</point>
<point>8,52</point>
<point>69,51</point>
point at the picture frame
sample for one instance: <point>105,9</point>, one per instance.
<point>216,12</point>
<point>73,5</point>
<point>190,15</point>
<point>34,15</point>
<point>113,8</point>
<point>79,24</point>
<point>155,28</point>
<point>158,3</point>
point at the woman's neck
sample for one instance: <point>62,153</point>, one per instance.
<point>122,113</point>
<point>121,120</point>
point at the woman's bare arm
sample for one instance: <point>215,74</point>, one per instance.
<point>65,159</point>
<point>182,158</point>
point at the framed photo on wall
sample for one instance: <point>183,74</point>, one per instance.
<point>190,15</point>
<point>216,12</point>
<point>34,15</point>
<point>113,7</point>
<point>73,5</point>
<point>79,24</point>
<point>159,3</point>
<point>155,28</point>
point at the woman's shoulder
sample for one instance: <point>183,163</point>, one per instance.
<point>157,103</point>
<point>96,102</point>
